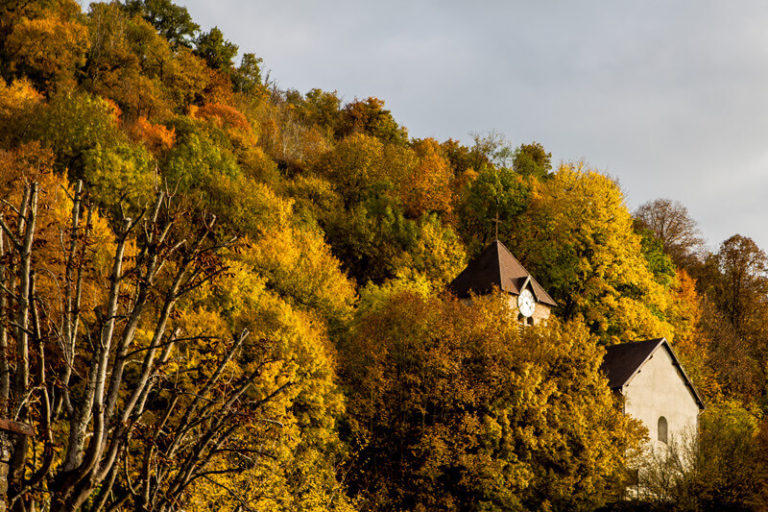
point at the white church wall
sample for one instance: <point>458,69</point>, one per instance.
<point>656,391</point>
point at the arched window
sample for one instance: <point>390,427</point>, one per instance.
<point>663,429</point>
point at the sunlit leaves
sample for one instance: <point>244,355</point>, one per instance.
<point>454,407</point>
<point>48,50</point>
<point>577,238</point>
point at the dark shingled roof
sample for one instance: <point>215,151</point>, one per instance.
<point>622,362</point>
<point>497,267</point>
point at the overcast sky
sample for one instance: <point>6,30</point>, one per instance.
<point>670,98</point>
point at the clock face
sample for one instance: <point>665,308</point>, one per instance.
<point>526,303</point>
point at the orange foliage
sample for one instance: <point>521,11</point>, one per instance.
<point>690,342</point>
<point>218,87</point>
<point>229,119</point>
<point>685,313</point>
<point>222,115</point>
<point>25,164</point>
<point>156,137</point>
<point>114,109</point>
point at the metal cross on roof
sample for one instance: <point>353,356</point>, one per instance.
<point>497,221</point>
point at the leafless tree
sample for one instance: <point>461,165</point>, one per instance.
<point>116,427</point>
<point>670,223</point>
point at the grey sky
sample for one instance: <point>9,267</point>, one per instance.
<point>669,97</point>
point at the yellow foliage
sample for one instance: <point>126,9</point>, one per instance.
<point>428,188</point>
<point>298,263</point>
<point>452,404</point>
<point>295,430</point>
<point>577,238</point>
<point>438,254</point>
<point>48,49</point>
<point>17,97</point>
<point>32,163</point>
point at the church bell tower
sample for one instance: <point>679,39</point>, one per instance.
<point>496,267</point>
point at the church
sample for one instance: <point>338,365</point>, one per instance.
<point>646,374</point>
<point>497,268</point>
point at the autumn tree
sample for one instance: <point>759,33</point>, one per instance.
<point>84,133</point>
<point>88,390</point>
<point>428,187</point>
<point>577,238</point>
<point>741,287</point>
<point>293,466</point>
<point>464,159</point>
<point>317,107</point>
<point>169,397</point>
<point>454,407</point>
<point>370,117</point>
<point>672,225</point>
<point>354,165</point>
<point>734,284</point>
<point>48,50</point>
<point>128,62</point>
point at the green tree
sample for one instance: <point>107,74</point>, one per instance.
<point>658,261</point>
<point>370,238</point>
<point>88,144</point>
<point>494,192</point>
<point>217,51</point>
<point>171,21</point>
<point>247,78</point>
<point>531,159</point>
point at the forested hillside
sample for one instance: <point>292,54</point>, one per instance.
<point>220,295</point>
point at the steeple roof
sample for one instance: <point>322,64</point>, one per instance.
<point>497,267</point>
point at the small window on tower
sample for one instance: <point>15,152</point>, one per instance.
<point>663,429</point>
